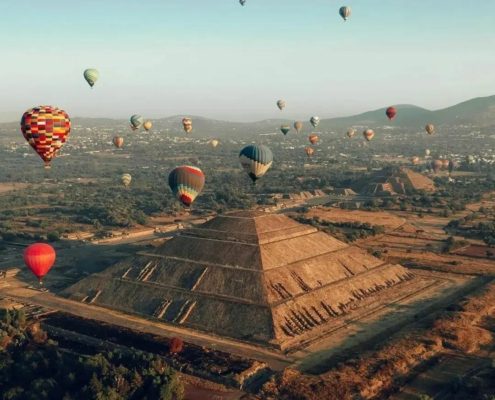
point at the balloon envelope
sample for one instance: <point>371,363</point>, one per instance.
<point>281,104</point>
<point>298,125</point>
<point>309,151</point>
<point>136,121</point>
<point>214,142</point>
<point>315,121</point>
<point>148,125</point>
<point>39,258</point>
<point>46,129</point>
<point>126,179</point>
<point>118,141</point>
<point>351,132</point>
<point>285,129</point>
<point>186,183</point>
<point>345,12</point>
<point>369,134</point>
<point>91,75</point>
<point>313,139</point>
<point>430,129</point>
<point>391,112</point>
<point>187,124</point>
<point>256,160</point>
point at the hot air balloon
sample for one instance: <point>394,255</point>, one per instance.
<point>445,164</point>
<point>285,129</point>
<point>391,112</point>
<point>345,12</point>
<point>309,151</point>
<point>298,125</point>
<point>91,75</point>
<point>351,132</point>
<point>313,139</point>
<point>46,129</point>
<point>436,165</point>
<point>126,179</point>
<point>430,129</point>
<point>118,141</point>
<point>470,159</point>
<point>148,125</point>
<point>315,121</point>
<point>136,121</point>
<point>427,152</point>
<point>214,142</point>
<point>281,104</point>
<point>186,183</point>
<point>415,160</point>
<point>187,124</point>
<point>256,160</point>
<point>39,258</point>
<point>242,2</point>
<point>369,134</point>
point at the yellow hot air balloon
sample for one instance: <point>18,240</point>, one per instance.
<point>148,125</point>
<point>214,142</point>
<point>126,179</point>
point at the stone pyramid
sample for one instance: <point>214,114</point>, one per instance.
<point>248,275</point>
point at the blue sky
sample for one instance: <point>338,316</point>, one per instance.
<point>218,59</point>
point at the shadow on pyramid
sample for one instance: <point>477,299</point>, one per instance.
<point>252,276</point>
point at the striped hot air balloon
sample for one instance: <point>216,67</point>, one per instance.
<point>315,121</point>
<point>345,12</point>
<point>136,122</point>
<point>186,183</point>
<point>118,141</point>
<point>91,75</point>
<point>187,124</point>
<point>126,179</point>
<point>256,160</point>
<point>285,129</point>
<point>46,129</point>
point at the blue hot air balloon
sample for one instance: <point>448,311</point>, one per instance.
<point>256,160</point>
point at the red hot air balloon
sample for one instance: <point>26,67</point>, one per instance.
<point>39,257</point>
<point>391,113</point>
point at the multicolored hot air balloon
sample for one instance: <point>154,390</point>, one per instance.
<point>39,258</point>
<point>281,104</point>
<point>369,134</point>
<point>298,125</point>
<point>136,122</point>
<point>313,138</point>
<point>148,125</point>
<point>351,132</point>
<point>186,183</point>
<point>309,151</point>
<point>391,112</point>
<point>430,129</point>
<point>415,160</point>
<point>285,129</point>
<point>91,75</point>
<point>118,141</point>
<point>46,129</point>
<point>256,160</point>
<point>187,124</point>
<point>345,12</point>
<point>214,143</point>
<point>126,179</point>
<point>315,121</point>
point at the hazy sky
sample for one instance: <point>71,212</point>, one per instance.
<point>218,59</point>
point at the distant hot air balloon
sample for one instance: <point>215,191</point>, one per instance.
<point>345,12</point>
<point>148,125</point>
<point>415,160</point>
<point>256,160</point>
<point>430,129</point>
<point>186,183</point>
<point>136,121</point>
<point>309,151</point>
<point>214,142</point>
<point>298,125</point>
<point>445,164</point>
<point>391,112</point>
<point>427,152</point>
<point>315,121</point>
<point>242,2</point>
<point>436,165</point>
<point>46,129</point>
<point>369,134</point>
<point>39,258</point>
<point>91,75</point>
<point>313,139</point>
<point>187,124</point>
<point>285,129</point>
<point>126,179</point>
<point>118,141</point>
<point>351,132</point>
<point>281,104</point>
<point>470,159</point>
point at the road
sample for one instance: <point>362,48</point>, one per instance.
<point>17,291</point>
